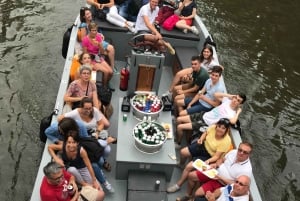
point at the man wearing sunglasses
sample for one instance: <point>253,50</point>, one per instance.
<point>239,190</point>
<point>234,164</point>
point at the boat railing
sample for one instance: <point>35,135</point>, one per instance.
<point>35,196</point>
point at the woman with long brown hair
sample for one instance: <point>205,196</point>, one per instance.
<point>75,159</point>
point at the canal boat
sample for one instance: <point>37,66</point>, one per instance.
<point>185,45</point>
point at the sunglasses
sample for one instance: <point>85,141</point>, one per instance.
<point>224,121</point>
<point>240,183</point>
<point>243,151</point>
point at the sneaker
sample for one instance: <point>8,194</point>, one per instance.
<point>195,30</point>
<point>168,94</point>
<point>108,187</point>
<point>184,198</point>
<point>177,146</point>
<point>173,189</point>
<point>185,31</point>
<point>131,28</point>
<point>131,24</point>
<point>170,48</point>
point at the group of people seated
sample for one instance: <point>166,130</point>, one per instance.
<point>204,113</point>
<point>150,14</point>
<point>80,149</point>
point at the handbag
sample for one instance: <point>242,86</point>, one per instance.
<point>170,22</point>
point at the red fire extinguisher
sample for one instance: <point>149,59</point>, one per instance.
<point>124,77</point>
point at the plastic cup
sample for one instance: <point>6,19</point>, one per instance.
<point>124,117</point>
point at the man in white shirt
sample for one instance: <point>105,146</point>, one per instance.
<point>145,29</point>
<point>238,191</point>
<point>234,164</point>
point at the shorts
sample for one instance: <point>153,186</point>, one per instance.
<point>207,183</point>
<point>189,21</point>
<point>199,151</point>
<point>196,107</point>
<point>140,34</point>
<point>197,120</point>
<point>105,45</point>
<point>88,193</point>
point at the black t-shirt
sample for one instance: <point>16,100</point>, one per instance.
<point>188,10</point>
<point>103,1</point>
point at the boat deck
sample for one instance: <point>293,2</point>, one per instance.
<point>120,186</point>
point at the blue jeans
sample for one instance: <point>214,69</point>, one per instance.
<point>99,173</point>
<point>196,107</point>
<point>123,11</point>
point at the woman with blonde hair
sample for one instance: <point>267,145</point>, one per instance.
<point>92,44</point>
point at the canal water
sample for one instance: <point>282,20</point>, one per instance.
<point>258,44</point>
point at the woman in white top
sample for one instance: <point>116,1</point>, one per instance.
<point>112,16</point>
<point>95,122</point>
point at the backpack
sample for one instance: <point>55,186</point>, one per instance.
<point>66,40</point>
<point>44,124</point>
<point>104,94</point>
<point>93,148</point>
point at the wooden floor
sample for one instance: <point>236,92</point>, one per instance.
<point>120,186</point>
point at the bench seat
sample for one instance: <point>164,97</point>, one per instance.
<point>183,57</point>
<point>175,33</point>
<point>178,34</point>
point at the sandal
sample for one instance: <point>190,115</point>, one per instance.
<point>107,166</point>
<point>112,140</point>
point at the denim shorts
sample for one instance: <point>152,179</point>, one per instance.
<point>199,151</point>
<point>196,107</point>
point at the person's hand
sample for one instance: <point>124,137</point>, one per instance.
<point>101,6</point>
<point>188,106</point>
<point>179,91</point>
<point>84,97</point>
<point>200,141</point>
<point>239,110</point>
<point>60,162</point>
<point>96,185</point>
<point>98,6</point>
<point>200,96</point>
<point>213,165</point>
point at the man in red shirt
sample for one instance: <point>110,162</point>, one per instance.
<point>56,183</point>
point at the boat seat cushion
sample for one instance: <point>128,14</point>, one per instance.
<point>184,55</point>
<point>178,34</point>
<point>175,33</point>
<point>105,25</point>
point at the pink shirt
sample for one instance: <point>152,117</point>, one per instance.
<point>92,49</point>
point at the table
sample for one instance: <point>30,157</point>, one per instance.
<point>128,157</point>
